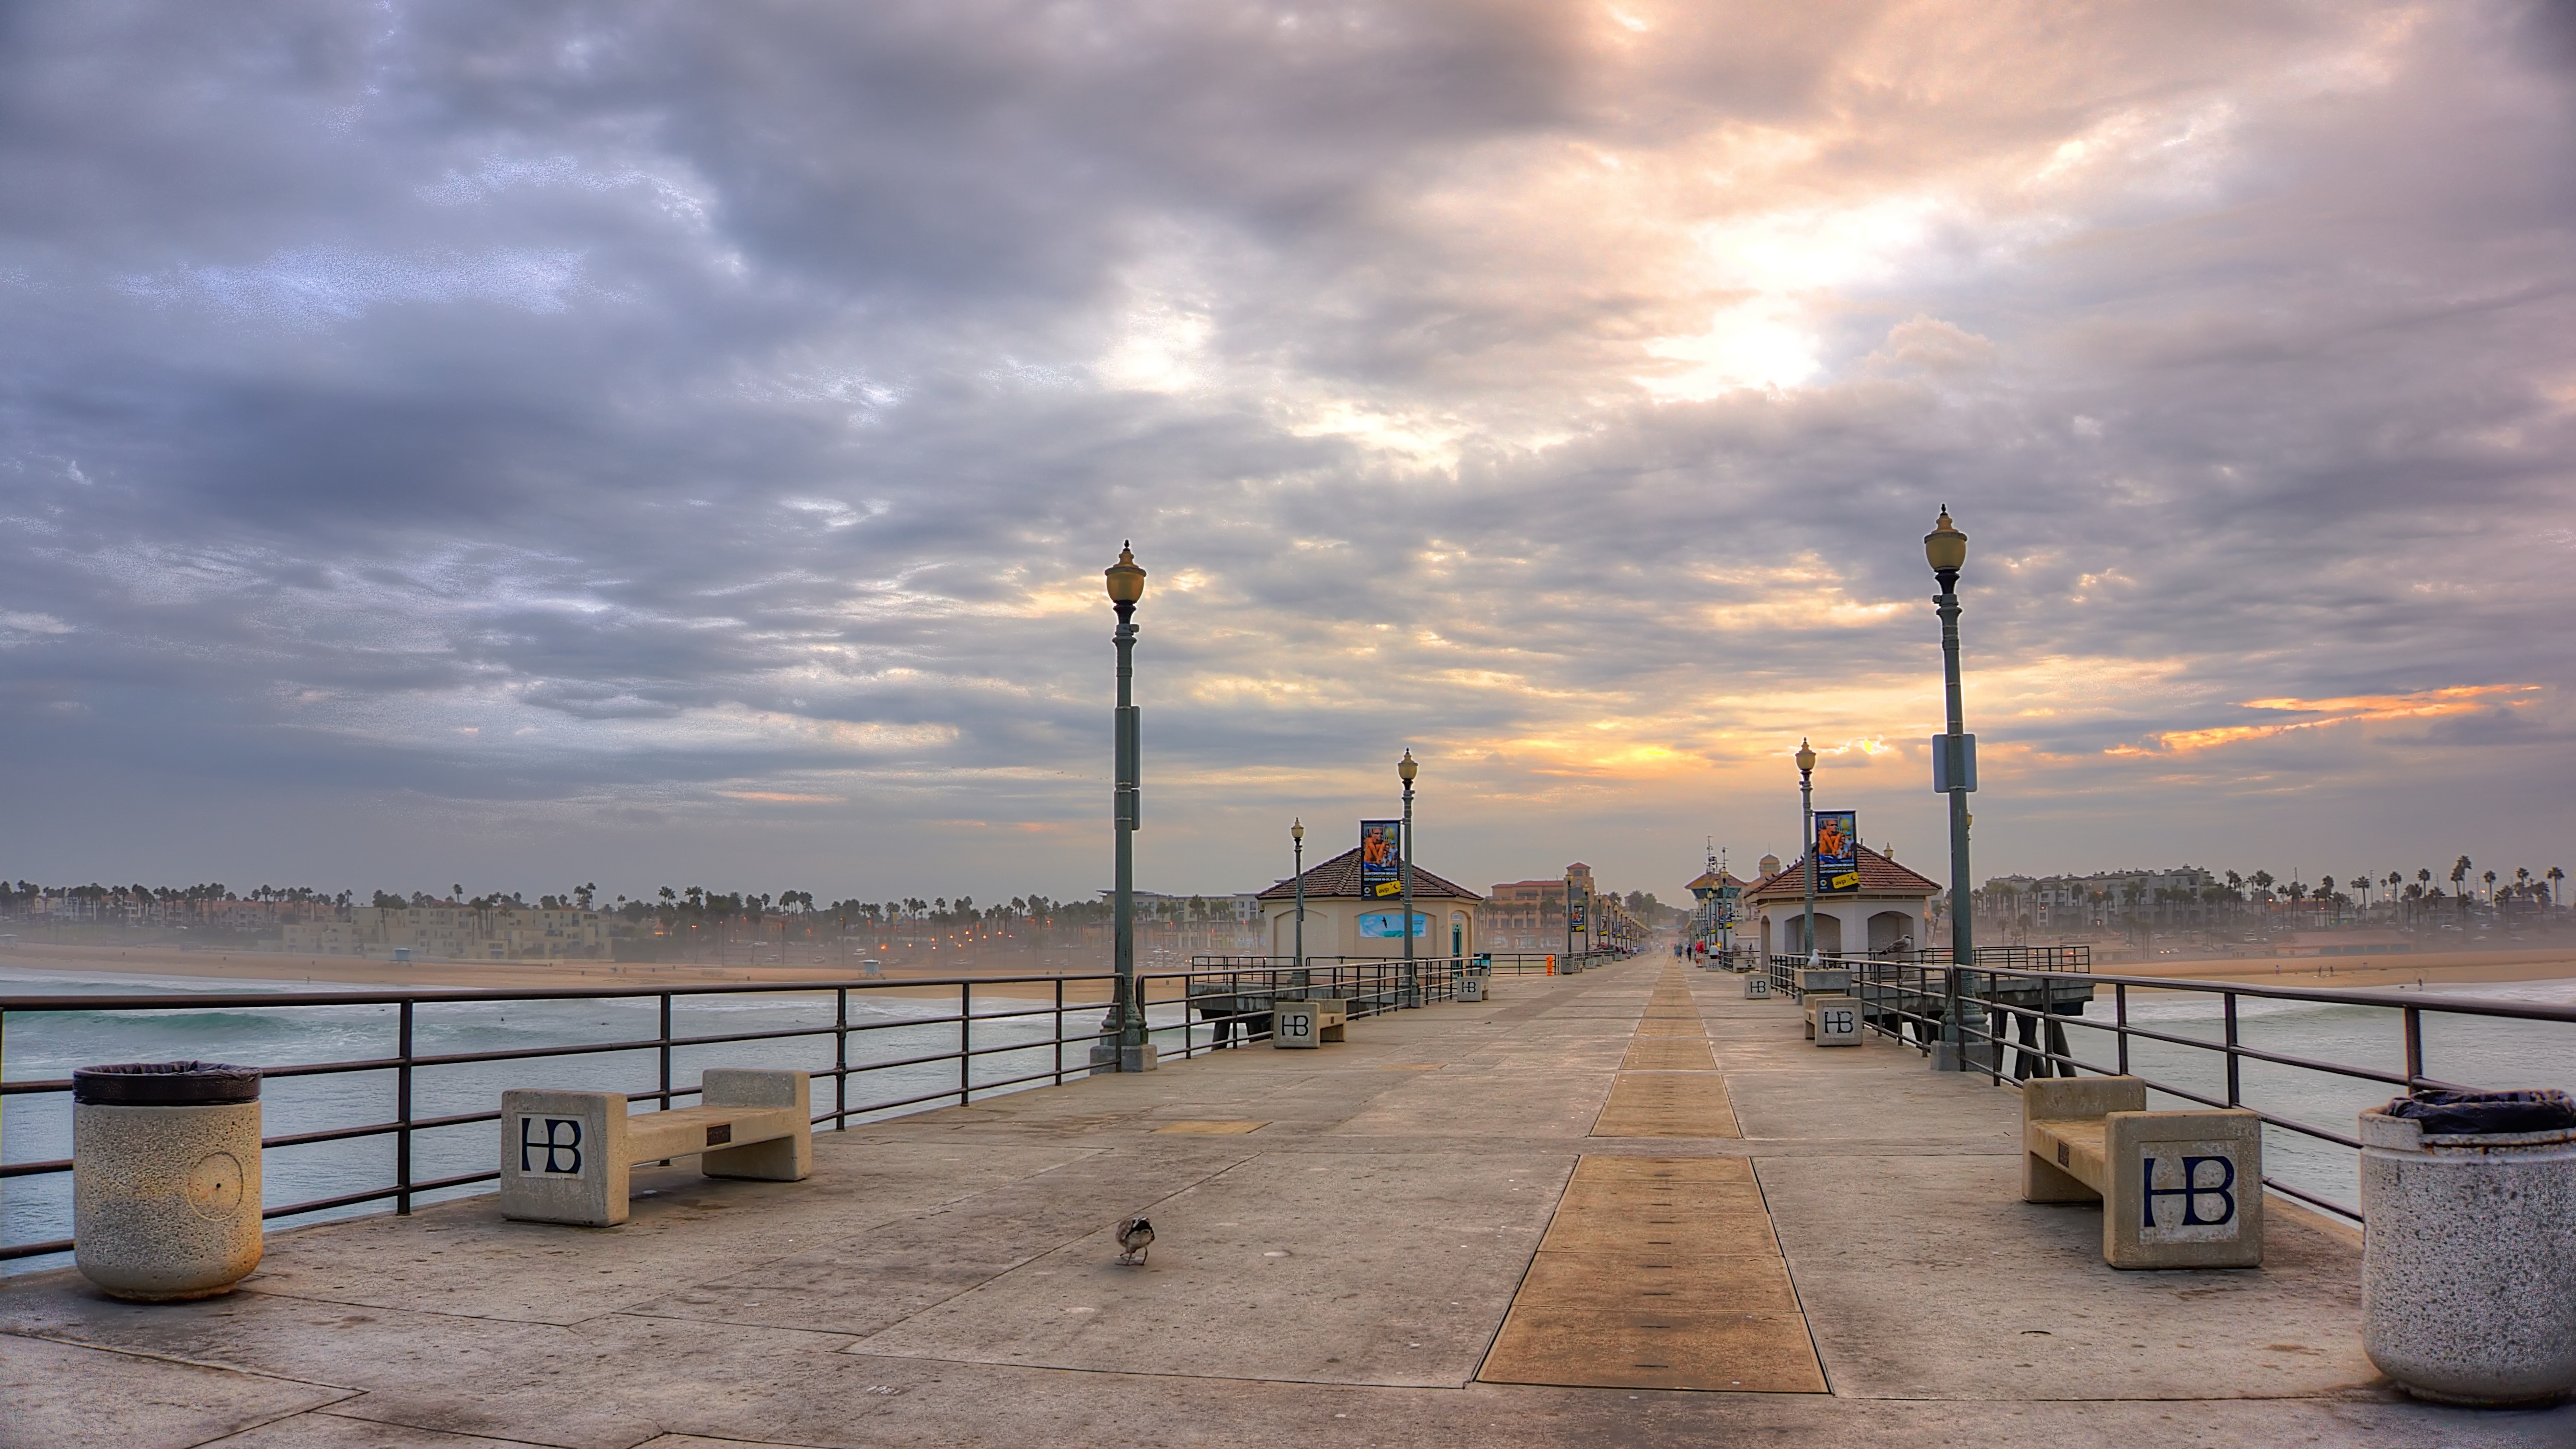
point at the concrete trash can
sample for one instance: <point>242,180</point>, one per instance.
<point>2468,1266</point>
<point>165,1178</point>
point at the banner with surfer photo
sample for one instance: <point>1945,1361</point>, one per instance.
<point>1380,858</point>
<point>1837,847</point>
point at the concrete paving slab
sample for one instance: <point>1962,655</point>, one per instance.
<point>682,1225</point>
<point>1303,1266</point>
<point>862,1284</point>
<point>65,1396</point>
<point>1667,1104</point>
<point>1929,1277</point>
<point>1682,1277</point>
<point>334,1431</point>
<point>1733,1351</point>
<point>1669,1054</point>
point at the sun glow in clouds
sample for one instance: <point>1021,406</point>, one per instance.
<point>2426,704</point>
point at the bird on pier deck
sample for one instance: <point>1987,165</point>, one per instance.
<point>1134,1236</point>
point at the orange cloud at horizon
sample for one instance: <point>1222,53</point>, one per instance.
<point>2357,709</point>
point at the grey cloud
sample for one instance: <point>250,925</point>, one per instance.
<point>724,395</point>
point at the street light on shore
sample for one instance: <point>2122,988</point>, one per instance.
<point>1405,769</point>
<point>1955,774</point>
<point>1807,835</point>
<point>1131,1053</point>
<point>1570,967</point>
<point>1297,842</point>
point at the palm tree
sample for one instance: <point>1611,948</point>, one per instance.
<point>2459,873</point>
<point>2490,879</point>
<point>2554,875</point>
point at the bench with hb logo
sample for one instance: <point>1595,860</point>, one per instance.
<point>565,1155</point>
<point>2178,1189</point>
<point>1297,1024</point>
<point>1833,1020</point>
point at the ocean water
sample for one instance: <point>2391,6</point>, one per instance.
<point>889,1034</point>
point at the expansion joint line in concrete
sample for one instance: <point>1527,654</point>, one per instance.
<point>1660,1272</point>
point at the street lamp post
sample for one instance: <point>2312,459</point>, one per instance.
<point>1807,825</point>
<point>1946,549</point>
<point>1297,841</point>
<point>1131,1052</point>
<point>1570,967</point>
<point>1405,770</point>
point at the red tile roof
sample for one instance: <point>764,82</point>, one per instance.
<point>1340,876</point>
<point>1879,876</point>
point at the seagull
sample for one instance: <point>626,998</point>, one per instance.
<point>1134,1236</point>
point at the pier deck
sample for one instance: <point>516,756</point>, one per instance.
<point>1621,1208</point>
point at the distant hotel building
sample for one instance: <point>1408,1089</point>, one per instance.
<point>2177,897</point>
<point>456,933</point>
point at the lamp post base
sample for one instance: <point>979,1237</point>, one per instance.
<point>1951,1056</point>
<point>1106,1057</point>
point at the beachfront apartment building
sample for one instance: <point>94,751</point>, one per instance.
<point>2175,897</point>
<point>456,933</point>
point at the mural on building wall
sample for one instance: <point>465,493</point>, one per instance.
<point>1837,848</point>
<point>1388,925</point>
<point>1379,876</point>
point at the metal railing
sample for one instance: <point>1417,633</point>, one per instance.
<point>1364,971</point>
<point>1060,1012</point>
<point>2028,1015</point>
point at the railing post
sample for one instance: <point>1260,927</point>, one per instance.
<point>1994,1037</point>
<point>841,1061</point>
<point>1059,1031</point>
<point>666,1051</point>
<point>2120,1021</point>
<point>402,1117</point>
<point>2414,1048</point>
<point>965,1042</point>
<point>2235,1096</point>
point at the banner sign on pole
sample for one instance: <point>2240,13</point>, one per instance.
<point>1379,876</point>
<point>1837,847</point>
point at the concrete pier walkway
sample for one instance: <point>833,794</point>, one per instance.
<point>1621,1208</point>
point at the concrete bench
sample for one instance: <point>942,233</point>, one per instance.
<point>1304,1024</point>
<point>2178,1189</point>
<point>1833,1020</point>
<point>1757,986</point>
<point>565,1156</point>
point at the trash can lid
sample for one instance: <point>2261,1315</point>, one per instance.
<point>2471,1114</point>
<point>165,1084</point>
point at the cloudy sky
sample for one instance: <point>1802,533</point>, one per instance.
<point>515,444</point>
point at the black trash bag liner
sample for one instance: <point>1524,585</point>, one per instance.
<point>165,1084</point>
<point>2466,1114</point>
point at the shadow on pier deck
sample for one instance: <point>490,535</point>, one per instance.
<point>1621,1208</point>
